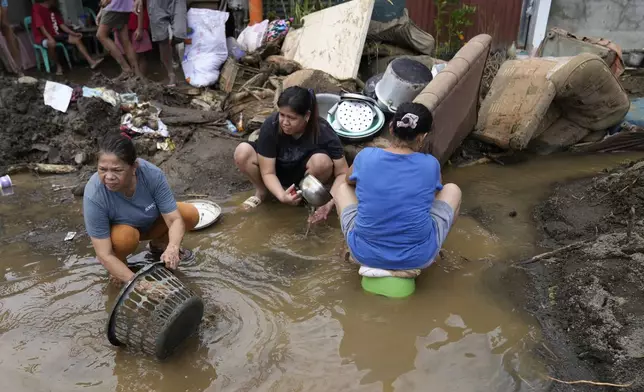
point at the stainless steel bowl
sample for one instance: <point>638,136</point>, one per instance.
<point>313,191</point>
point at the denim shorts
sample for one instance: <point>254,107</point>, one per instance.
<point>442,216</point>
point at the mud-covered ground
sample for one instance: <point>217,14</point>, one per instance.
<point>31,132</point>
<point>589,298</point>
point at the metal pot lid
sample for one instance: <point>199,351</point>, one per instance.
<point>360,97</point>
<point>355,116</point>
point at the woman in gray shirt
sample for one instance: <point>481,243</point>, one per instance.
<point>129,200</point>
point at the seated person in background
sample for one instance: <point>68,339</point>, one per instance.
<point>398,215</point>
<point>293,142</point>
<point>129,200</point>
<point>49,29</point>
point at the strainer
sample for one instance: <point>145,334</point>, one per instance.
<point>355,116</point>
<point>154,313</point>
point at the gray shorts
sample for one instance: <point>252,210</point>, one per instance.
<point>165,14</point>
<point>114,19</point>
<point>441,212</point>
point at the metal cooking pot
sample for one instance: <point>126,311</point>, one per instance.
<point>313,192</point>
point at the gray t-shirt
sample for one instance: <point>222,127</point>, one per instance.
<point>103,208</point>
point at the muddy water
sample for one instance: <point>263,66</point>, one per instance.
<point>284,313</point>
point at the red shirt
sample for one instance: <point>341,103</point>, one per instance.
<point>42,16</point>
<point>133,24</point>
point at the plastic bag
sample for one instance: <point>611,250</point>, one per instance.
<point>252,37</point>
<point>234,49</point>
<point>207,50</point>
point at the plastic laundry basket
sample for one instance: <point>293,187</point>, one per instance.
<point>155,320</point>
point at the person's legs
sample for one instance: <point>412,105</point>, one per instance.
<point>51,51</point>
<point>165,52</point>
<point>124,38</point>
<point>344,195</point>
<point>143,63</point>
<point>10,37</point>
<point>246,161</point>
<point>125,240</point>
<point>320,166</point>
<point>160,13</point>
<point>451,194</point>
<point>158,234</point>
<point>78,42</point>
<point>103,35</point>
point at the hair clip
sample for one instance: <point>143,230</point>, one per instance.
<point>409,120</point>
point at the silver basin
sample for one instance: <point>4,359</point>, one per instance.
<point>313,191</point>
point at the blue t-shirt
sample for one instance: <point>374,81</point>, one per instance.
<point>393,228</point>
<point>103,208</point>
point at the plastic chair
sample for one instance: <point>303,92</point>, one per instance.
<point>90,12</point>
<point>43,51</point>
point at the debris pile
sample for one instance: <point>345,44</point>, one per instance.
<point>588,291</point>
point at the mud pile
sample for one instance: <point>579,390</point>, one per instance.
<point>589,299</point>
<point>31,132</point>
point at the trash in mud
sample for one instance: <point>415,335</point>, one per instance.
<point>166,145</point>
<point>57,96</point>
<point>6,186</point>
<point>70,236</point>
<point>144,119</point>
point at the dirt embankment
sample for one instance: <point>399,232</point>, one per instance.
<point>31,132</point>
<point>589,299</point>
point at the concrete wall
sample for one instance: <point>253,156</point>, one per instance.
<point>621,21</point>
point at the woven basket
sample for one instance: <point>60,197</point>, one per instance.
<point>156,319</point>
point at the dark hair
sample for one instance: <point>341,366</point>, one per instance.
<point>302,101</point>
<point>411,119</point>
<point>119,145</point>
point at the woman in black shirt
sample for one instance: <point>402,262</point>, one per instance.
<point>293,142</point>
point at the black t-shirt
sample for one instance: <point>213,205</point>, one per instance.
<point>291,153</point>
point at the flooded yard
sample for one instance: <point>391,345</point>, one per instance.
<point>284,312</point>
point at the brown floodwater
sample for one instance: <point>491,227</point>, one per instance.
<point>283,311</point>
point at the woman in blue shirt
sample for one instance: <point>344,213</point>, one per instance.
<point>395,213</point>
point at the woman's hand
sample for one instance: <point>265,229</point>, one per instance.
<point>322,213</point>
<point>171,257</point>
<point>105,3</point>
<point>291,197</point>
<point>138,34</point>
<point>138,6</point>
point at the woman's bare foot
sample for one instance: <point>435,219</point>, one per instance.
<point>124,76</point>
<point>59,70</point>
<point>172,80</point>
<point>95,63</point>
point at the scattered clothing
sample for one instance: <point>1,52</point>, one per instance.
<point>397,223</point>
<point>103,208</point>
<point>277,30</point>
<point>165,14</point>
<point>292,154</point>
